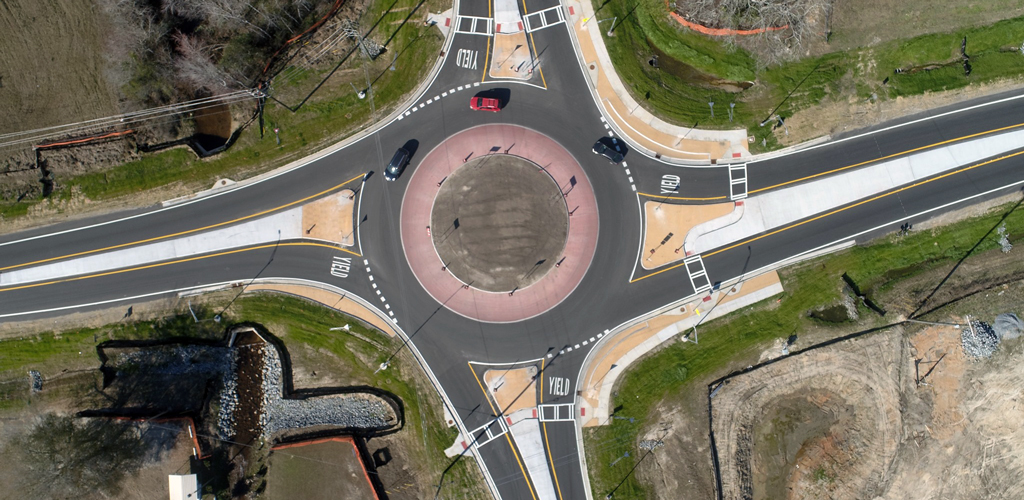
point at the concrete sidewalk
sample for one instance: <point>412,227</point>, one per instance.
<point>781,207</point>
<point>654,136</point>
<point>328,219</point>
<point>621,348</point>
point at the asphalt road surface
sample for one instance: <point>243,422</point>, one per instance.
<point>614,289</point>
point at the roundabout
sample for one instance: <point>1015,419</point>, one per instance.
<point>499,223</point>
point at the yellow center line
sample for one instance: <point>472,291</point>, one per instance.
<point>510,445</point>
<point>182,233</point>
<point>842,209</point>
<point>179,261</point>
<point>971,136</point>
<point>680,197</point>
<point>533,50</point>
<point>544,425</point>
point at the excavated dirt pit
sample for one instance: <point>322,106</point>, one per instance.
<point>798,424</point>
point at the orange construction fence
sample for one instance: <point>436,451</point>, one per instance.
<point>721,31</point>
<point>83,140</point>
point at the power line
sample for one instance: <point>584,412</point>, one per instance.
<point>126,119</point>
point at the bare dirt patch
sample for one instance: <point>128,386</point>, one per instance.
<point>329,469</point>
<point>831,409</point>
<point>499,223</point>
<point>878,417</point>
<point>53,66</point>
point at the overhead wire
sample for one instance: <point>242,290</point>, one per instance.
<point>126,119</point>
<point>152,120</point>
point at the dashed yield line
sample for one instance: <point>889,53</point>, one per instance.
<point>571,348</point>
<point>437,98</point>
<point>387,307</point>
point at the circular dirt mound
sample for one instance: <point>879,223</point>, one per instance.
<point>499,223</point>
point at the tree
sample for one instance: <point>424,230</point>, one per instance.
<point>67,457</point>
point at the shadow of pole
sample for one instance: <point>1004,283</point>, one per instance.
<point>962,259</point>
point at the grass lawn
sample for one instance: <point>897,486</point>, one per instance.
<point>644,29</point>
<point>736,340</point>
<point>302,326</point>
<point>331,114</point>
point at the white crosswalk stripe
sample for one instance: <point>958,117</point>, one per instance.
<point>471,25</point>
<point>544,18</point>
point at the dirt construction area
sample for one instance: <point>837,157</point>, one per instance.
<point>901,413</point>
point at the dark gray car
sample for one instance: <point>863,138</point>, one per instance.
<point>613,154</point>
<point>397,164</point>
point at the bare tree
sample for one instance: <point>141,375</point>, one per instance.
<point>195,68</point>
<point>68,457</point>
<point>773,45</point>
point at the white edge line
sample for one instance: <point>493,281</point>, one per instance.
<point>893,127</point>
<point>581,455</point>
<point>359,209</point>
<point>412,346</point>
<point>640,244</point>
<point>514,363</point>
<point>683,151</point>
<point>369,131</point>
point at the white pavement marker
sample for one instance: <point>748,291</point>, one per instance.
<point>280,226</point>
<point>784,206</point>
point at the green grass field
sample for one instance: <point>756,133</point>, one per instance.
<point>856,73</point>
<point>740,336</point>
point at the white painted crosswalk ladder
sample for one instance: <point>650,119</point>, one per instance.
<point>544,18</point>
<point>737,181</point>
<point>698,275</point>
<point>471,25</point>
<point>556,413</point>
<point>486,435</point>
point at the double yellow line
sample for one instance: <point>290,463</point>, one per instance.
<point>847,167</point>
<point>182,233</point>
<point>843,209</point>
<point>178,261</point>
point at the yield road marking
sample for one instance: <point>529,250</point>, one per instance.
<point>670,184</point>
<point>560,386</point>
<point>466,59</point>
<point>341,266</point>
<point>544,18</point>
<point>472,25</point>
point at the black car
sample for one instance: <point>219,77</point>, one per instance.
<point>613,153</point>
<point>397,164</point>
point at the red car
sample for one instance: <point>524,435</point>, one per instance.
<point>485,104</point>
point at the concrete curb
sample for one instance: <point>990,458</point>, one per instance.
<point>580,402</point>
<point>712,225</point>
<point>401,333</point>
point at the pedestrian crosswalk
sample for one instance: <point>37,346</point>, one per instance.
<point>544,18</point>
<point>472,25</point>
